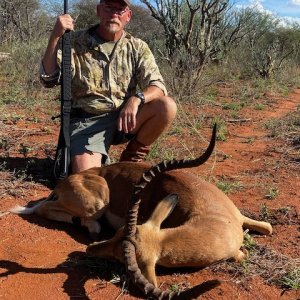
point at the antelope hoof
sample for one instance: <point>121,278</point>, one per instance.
<point>241,255</point>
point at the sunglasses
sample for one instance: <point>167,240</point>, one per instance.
<point>114,10</point>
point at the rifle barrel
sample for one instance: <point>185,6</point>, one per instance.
<point>66,6</point>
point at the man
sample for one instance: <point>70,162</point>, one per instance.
<point>107,66</point>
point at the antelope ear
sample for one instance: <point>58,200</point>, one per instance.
<point>108,249</point>
<point>100,249</point>
<point>163,210</point>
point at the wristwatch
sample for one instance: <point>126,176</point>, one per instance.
<point>141,97</point>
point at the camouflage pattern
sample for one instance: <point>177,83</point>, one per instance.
<point>101,82</point>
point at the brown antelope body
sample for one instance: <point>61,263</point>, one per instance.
<point>182,220</point>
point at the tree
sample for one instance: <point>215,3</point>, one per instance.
<point>84,11</point>
<point>270,45</point>
<point>196,33</point>
<point>18,19</point>
<point>143,26</point>
<point>21,20</point>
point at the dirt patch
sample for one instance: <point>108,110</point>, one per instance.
<point>257,165</point>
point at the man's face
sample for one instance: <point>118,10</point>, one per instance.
<point>114,15</point>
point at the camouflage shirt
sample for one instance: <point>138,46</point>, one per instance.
<point>101,82</point>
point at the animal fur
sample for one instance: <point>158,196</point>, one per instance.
<point>191,223</point>
<point>183,220</point>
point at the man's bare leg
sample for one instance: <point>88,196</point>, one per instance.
<point>152,120</point>
<point>85,161</point>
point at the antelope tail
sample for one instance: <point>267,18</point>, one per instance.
<point>259,226</point>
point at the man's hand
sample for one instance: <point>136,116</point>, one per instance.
<point>63,23</point>
<point>127,117</point>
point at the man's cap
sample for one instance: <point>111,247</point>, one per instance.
<point>127,2</point>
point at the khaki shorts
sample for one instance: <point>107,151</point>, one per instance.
<point>96,134</point>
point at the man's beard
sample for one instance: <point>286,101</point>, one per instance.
<point>113,27</point>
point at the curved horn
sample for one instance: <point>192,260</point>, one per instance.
<point>130,228</point>
<point>163,166</point>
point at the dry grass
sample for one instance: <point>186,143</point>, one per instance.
<point>274,268</point>
<point>105,271</point>
<point>281,216</point>
<point>288,130</point>
<point>14,183</point>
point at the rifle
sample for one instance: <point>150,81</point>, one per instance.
<point>62,156</point>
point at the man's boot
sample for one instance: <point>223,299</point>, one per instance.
<point>135,151</point>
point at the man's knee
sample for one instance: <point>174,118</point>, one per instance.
<point>85,161</point>
<point>166,108</point>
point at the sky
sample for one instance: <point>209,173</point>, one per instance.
<point>288,10</point>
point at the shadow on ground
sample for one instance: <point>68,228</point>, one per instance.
<point>75,231</point>
<point>79,268</point>
<point>38,170</point>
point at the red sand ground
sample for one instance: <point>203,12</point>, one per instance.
<point>41,259</point>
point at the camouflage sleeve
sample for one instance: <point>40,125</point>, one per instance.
<point>51,80</point>
<point>54,79</point>
<point>147,70</point>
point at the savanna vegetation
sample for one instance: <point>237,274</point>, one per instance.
<point>216,59</point>
<point>197,43</point>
